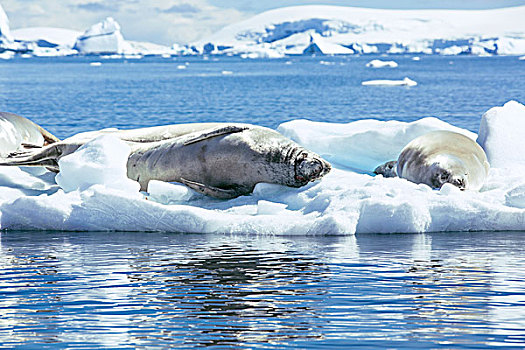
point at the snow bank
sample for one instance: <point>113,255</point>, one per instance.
<point>404,82</point>
<point>346,30</point>
<point>346,201</point>
<point>103,37</point>
<point>381,64</point>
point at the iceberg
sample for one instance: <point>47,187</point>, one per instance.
<point>103,38</point>
<point>7,42</point>
<point>404,82</point>
<point>349,200</point>
<point>5,33</point>
<point>347,30</point>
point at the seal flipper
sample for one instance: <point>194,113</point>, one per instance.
<point>231,129</point>
<point>46,156</point>
<point>212,191</point>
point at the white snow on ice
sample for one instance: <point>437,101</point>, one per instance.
<point>97,195</point>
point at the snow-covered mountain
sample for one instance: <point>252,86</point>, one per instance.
<point>340,30</point>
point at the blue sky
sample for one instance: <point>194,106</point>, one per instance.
<point>183,21</point>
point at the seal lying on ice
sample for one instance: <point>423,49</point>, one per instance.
<point>21,133</point>
<point>222,160</point>
<point>440,157</point>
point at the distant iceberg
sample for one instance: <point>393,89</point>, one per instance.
<point>7,42</point>
<point>382,64</point>
<point>345,30</point>
<point>102,38</point>
<point>405,82</point>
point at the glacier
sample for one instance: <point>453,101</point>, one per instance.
<point>93,193</point>
<point>323,29</point>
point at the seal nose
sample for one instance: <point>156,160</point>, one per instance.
<point>310,169</point>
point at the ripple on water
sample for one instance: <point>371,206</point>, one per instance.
<point>173,290</point>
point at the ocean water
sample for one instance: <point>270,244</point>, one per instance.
<point>165,290</point>
<point>68,95</point>
<point>168,290</point>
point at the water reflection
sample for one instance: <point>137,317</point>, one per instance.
<point>144,289</point>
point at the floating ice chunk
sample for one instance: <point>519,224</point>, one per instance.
<point>404,82</point>
<point>344,202</point>
<point>382,64</point>
<point>7,55</point>
<point>502,135</point>
<point>416,58</point>
<point>226,72</point>
<point>100,161</point>
<point>181,66</point>
<point>522,58</point>
<point>95,64</point>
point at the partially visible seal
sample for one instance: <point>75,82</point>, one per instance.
<point>389,169</point>
<point>222,160</point>
<point>20,133</point>
<point>440,157</point>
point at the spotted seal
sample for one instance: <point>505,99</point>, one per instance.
<point>221,160</point>
<point>440,157</point>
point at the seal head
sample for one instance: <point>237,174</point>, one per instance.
<point>309,167</point>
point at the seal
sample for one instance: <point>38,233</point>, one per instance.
<point>389,169</point>
<point>20,133</point>
<point>221,160</point>
<point>440,157</point>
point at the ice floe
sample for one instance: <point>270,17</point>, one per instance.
<point>382,64</point>
<point>93,192</point>
<point>383,82</point>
